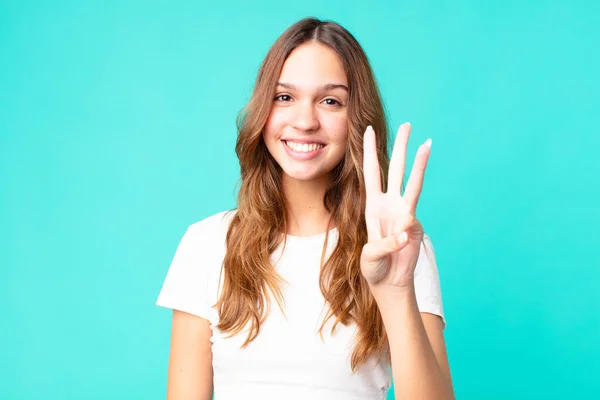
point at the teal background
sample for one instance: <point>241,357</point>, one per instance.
<point>117,131</point>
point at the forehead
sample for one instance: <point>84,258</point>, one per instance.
<point>313,64</point>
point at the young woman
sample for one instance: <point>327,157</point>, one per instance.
<point>321,284</point>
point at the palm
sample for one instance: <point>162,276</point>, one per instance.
<point>392,213</point>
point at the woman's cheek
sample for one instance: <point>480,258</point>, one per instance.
<point>276,122</point>
<point>337,127</point>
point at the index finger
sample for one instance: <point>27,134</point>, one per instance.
<point>417,174</point>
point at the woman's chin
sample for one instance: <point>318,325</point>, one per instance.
<point>305,176</point>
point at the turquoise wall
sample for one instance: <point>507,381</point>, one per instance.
<point>117,130</point>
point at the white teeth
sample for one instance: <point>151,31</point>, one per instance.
<point>303,147</point>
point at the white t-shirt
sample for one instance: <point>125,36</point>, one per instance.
<point>288,359</point>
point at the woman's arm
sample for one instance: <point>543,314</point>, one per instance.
<point>190,362</point>
<point>419,361</point>
<point>388,263</point>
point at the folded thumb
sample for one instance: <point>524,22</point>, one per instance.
<point>379,249</point>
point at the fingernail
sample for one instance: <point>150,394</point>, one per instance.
<point>402,238</point>
<point>428,143</point>
<point>407,123</point>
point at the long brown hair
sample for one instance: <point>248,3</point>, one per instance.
<point>255,230</point>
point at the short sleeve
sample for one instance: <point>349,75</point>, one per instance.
<point>427,281</point>
<point>185,287</point>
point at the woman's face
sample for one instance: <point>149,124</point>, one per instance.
<point>307,129</point>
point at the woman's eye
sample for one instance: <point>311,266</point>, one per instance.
<point>332,102</point>
<point>283,97</point>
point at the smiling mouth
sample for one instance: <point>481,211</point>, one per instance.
<point>303,147</point>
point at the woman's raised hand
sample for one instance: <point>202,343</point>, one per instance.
<point>389,258</point>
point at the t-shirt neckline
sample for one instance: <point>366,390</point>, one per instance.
<point>311,237</point>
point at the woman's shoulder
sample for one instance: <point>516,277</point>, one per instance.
<point>203,244</point>
<point>214,224</point>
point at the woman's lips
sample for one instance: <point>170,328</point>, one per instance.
<point>301,155</point>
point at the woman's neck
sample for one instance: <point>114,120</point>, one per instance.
<point>306,214</point>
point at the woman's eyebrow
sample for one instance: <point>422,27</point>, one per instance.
<point>325,87</point>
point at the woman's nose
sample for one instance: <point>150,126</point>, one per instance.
<point>306,117</point>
